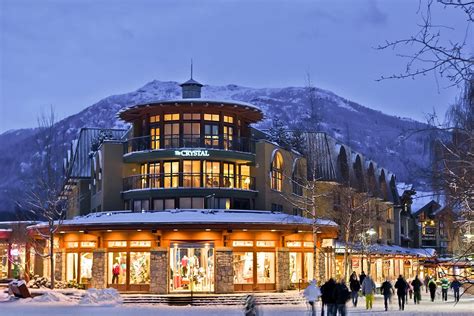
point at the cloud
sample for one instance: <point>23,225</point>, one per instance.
<point>373,15</point>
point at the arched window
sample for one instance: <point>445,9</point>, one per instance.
<point>277,171</point>
<point>297,177</point>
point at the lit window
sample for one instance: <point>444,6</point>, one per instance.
<point>155,137</point>
<point>154,119</point>
<point>88,244</point>
<point>293,244</point>
<point>72,244</point>
<point>228,119</point>
<point>265,267</point>
<point>192,116</point>
<point>211,117</point>
<point>117,244</point>
<point>265,243</point>
<point>141,243</point>
<point>277,172</point>
<point>242,243</point>
<point>172,117</point>
<point>243,267</point>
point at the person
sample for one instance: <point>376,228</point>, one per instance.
<point>456,285</point>
<point>115,273</point>
<point>312,293</point>
<point>425,282</point>
<point>368,290</point>
<point>432,287</point>
<point>444,288</point>
<point>327,297</point>
<point>416,284</point>
<point>342,295</point>
<point>362,277</point>
<point>387,291</point>
<point>409,292</point>
<point>354,285</point>
<point>250,306</point>
<point>401,286</point>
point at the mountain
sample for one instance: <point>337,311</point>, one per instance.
<point>378,136</point>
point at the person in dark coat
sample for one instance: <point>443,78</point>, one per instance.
<point>327,297</point>
<point>354,285</point>
<point>387,291</point>
<point>425,282</point>
<point>432,287</point>
<point>401,286</point>
<point>456,285</point>
<point>362,277</point>
<point>416,284</point>
<point>342,295</point>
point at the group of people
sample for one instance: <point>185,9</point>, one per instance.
<point>334,295</point>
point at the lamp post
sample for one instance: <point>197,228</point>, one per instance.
<point>366,241</point>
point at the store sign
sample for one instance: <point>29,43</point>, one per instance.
<point>192,153</point>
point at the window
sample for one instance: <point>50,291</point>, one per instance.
<point>219,203</point>
<point>245,180</point>
<point>171,137</point>
<point>155,137</point>
<point>211,135</point>
<point>228,136</point>
<point>85,275</point>
<point>172,117</point>
<point>277,172</point>
<point>72,266</point>
<point>293,244</point>
<point>154,119</point>
<point>191,134</point>
<point>154,177</point>
<point>171,174</point>
<point>266,267</point>
<point>228,119</point>
<point>228,176</point>
<point>117,244</point>
<point>139,267</point>
<point>143,177</point>
<point>212,172</point>
<point>211,117</point>
<point>296,274</point>
<point>276,207</point>
<point>265,243</point>
<point>297,177</point>
<point>243,267</point>
<point>141,205</point>
<point>162,204</point>
<point>308,266</point>
<point>191,203</point>
<point>242,243</point>
<point>191,173</point>
<point>192,116</point>
<point>117,268</point>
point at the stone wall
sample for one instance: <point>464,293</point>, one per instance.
<point>59,265</point>
<point>224,270</point>
<point>159,270</point>
<point>99,269</point>
<point>282,269</point>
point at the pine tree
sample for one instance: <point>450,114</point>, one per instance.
<point>279,133</point>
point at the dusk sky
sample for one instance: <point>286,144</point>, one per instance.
<point>71,54</point>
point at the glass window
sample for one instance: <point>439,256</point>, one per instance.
<point>198,202</point>
<point>3,260</point>
<point>185,203</point>
<point>308,266</point>
<point>191,173</point>
<point>308,244</point>
<point>211,117</point>
<point>171,174</point>
<point>171,136</point>
<point>293,244</point>
<point>154,177</point>
<point>211,135</point>
<point>85,275</point>
<point>277,172</point>
<point>72,260</point>
<point>191,134</point>
<point>72,244</point>
<point>144,175</point>
<point>242,243</point>
<point>117,244</point>
<point>192,116</point>
<point>139,267</point>
<point>140,243</point>
<point>117,271</point>
<point>169,204</point>
<point>219,203</point>
<point>158,205</point>
<point>212,172</point>
<point>155,137</point>
<point>88,244</point>
<point>265,243</point>
<point>154,118</point>
<point>245,177</point>
<point>228,137</point>
<point>172,117</point>
<point>191,203</point>
<point>228,119</point>
<point>141,205</point>
<point>266,267</point>
<point>228,176</point>
<point>243,267</point>
<point>296,264</point>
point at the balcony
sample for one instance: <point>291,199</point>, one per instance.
<point>219,142</point>
<point>188,181</point>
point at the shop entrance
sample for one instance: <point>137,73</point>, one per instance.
<point>192,267</point>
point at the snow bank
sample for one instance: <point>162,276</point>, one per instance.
<point>50,297</point>
<point>106,297</point>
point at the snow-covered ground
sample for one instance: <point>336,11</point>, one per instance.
<point>30,307</point>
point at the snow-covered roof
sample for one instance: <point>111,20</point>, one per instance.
<point>191,216</point>
<point>191,81</point>
<point>386,250</point>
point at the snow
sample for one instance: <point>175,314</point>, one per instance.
<point>106,297</point>
<point>394,249</point>
<point>191,216</point>
<point>50,297</point>
<point>25,307</point>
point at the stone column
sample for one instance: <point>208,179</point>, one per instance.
<point>282,269</point>
<point>99,269</point>
<point>322,264</point>
<point>59,264</point>
<point>159,270</point>
<point>224,270</point>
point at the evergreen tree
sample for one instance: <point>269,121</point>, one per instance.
<point>297,140</point>
<point>279,133</point>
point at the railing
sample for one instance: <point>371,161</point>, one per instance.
<point>223,142</point>
<point>188,180</point>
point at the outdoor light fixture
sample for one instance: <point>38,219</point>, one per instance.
<point>62,232</point>
<point>175,230</point>
<point>300,231</point>
<point>371,232</point>
<point>139,230</point>
<point>208,229</point>
<point>273,230</point>
<point>81,231</point>
<point>244,229</point>
<point>109,230</point>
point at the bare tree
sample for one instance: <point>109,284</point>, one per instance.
<point>433,51</point>
<point>44,199</point>
<point>315,115</point>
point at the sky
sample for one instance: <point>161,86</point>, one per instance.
<point>70,54</point>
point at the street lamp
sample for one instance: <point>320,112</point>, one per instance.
<point>366,240</point>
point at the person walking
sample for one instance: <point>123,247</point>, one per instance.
<point>368,290</point>
<point>387,291</point>
<point>425,282</point>
<point>456,285</point>
<point>342,295</point>
<point>401,286</point>
<point>327,297</point>
<point>444,288</point>
<point>362,277</point>
<point>432,287</point>
<point>354,285</point>
<point>416,284</point>
<point>312,293</point>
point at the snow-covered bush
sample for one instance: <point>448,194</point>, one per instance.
<point>105,297</point>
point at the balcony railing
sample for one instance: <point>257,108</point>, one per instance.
<point>223,142</point>
<point>188,180</point>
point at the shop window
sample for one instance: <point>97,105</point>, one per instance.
<point>191,173</point>
<point>117,268</point>
<point>155,137</point>
<point>243,267</point>
<point>212,173</point>
<point>171,174</point>
<point>85,275</point>
<point>88,244</point>
<point>72,261</point>
<point>228,175</point>
<point>140,243</point>
<point>277,172</point>
<point>296,264</point>
<point>228,136</point>
<point>154,119</point>
<point>265,243</point>
<point>228,119</point>
<point>308,272</point>
<point>139,267</point>
<point>3,260</point>
<point>117,244</point>
<point>308,244</point>
<point>171,135</point>
<point>293,244</point>
<point>192,116</point>
<point>242,243</point>
<point>172,117</point>
<point>211,135</point>
<point>265,267</point>
<point>72,244</point>
<point>141,205</point>
<point>211,117</point>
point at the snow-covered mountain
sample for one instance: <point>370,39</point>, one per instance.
<point>379,136</point>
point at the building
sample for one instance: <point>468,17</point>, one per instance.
<point>191,198</point>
